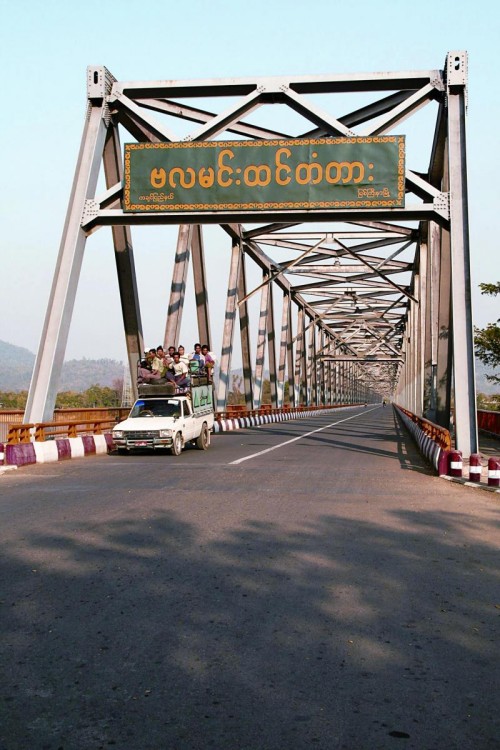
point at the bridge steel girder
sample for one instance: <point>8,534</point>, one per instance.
<point>379,299</point>
<point>124,258</point>
<point>48,364</point>
<point>246,355</point>
<point>178,287</point>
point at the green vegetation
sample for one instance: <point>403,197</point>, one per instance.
<point>488,402</point>
<point>13,399</point>
<point>96,395</point>
<point>487,340</point>
<point>237,395</point>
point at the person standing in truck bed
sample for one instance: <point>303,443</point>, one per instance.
<point>178,372</point>
<point>197,356</point>
<point>183,356</point>
<point>209,362</point>
<point>159,363</point>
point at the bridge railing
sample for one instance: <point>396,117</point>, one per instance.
<point>24,433</point>
<point>104,420</point>
<point>438,434</point>
<point>14,417</point>
<point>237,411</point>
<point>489,421</point>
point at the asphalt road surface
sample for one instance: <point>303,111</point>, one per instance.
<point>307,584</point>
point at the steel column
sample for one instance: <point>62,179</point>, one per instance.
<point>261,344</point>
<point>463,332</point>
<point>227,338</point>
<point>284,339</point>
<point>271,349</point>
<point>46,373</point>
<point>178,287</point>
<point>125,266</point>
<point>200,286</point>
<point>299,357</point>
<point>246,356</point>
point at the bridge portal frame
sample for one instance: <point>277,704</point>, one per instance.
<point>424,350</point>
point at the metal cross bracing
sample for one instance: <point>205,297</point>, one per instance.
<point>356,304</point>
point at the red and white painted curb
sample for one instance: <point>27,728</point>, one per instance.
<point>24,454</point>
<point>475,468</point>
<point>240,423</point>
<point>494,472</point>
<point>449,463</point>
<point>455,463</point>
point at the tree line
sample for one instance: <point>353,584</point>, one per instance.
<point>487,340</point>
<point>96,395</point>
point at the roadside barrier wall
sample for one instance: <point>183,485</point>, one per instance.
<point>239,423</point>
<point>428,446</point>
<point>23,454</point>
<point>489,421</point>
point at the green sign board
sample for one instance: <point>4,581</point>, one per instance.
<point>201,396</point>
<point>305,173</point>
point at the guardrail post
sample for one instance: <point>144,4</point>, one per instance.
<point>25,433</point>
<point>443,463</point>
<point>475,468</point>
<point>493,472</point>
<point>455,463</point>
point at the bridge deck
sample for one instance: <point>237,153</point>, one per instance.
<point>283,590</point>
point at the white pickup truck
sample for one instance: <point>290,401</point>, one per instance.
<point>168,421</point>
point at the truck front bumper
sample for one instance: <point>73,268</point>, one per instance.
<point>142,441</point>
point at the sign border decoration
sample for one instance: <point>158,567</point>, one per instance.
<point>369,197</point>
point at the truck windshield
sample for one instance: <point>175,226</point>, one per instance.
<point>156,408</point>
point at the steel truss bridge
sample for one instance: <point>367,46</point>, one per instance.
<point>356,304</point>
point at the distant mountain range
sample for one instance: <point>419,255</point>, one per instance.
<point>16,367</point>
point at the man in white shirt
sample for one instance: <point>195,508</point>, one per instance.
<point>178,372</point>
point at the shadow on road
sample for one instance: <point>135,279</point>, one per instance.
<point>141,633</point>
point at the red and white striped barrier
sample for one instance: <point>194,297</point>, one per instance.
<point>455,463</point>
<point>23,454</point>
<point>493,472</point>
<point>475,468</point>
<point>239,423</point>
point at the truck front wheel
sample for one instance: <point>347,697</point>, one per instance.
<point>203,439</point>
<point>176,448</point>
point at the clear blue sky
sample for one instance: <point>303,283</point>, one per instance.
<point>45,48</point>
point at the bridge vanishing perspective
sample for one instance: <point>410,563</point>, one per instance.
<point>354,211</point>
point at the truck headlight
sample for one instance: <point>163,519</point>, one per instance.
<point>118,434</point>
<point>165,433</point>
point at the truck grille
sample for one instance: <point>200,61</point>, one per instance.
<point>141,434</point>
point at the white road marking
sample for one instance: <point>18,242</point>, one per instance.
<point>293,440</point>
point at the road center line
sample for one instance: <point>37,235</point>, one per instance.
<point>293,440</point>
